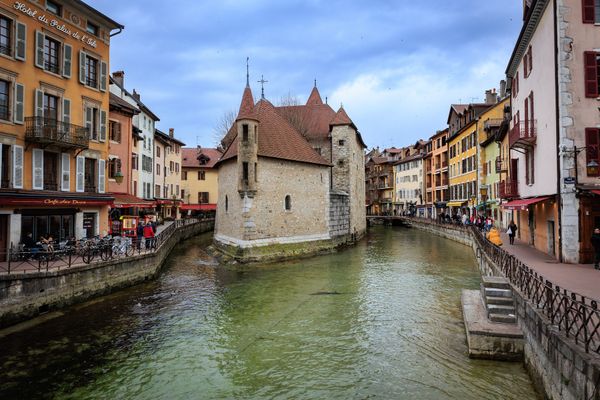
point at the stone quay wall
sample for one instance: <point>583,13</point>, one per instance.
<point>24,296</point>
<point>559,367</point>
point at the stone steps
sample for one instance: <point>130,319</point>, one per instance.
<point>493,292</point>
<point>502,300</point>
<point>495,282</point>
<point>497,297</point>
<point>503,318</point>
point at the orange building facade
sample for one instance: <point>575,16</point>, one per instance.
<point>54,119</point>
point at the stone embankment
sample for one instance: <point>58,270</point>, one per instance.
<point>561,330</point>
<point>26,295</point>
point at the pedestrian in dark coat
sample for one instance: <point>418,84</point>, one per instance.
<point>596,246</point>
<point>512,231</point>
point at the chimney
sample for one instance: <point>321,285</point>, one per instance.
<point>491,97</point>
<point>502,89</point>
<point>136,95</point>
<point>119,77</point>
<point>171,132</point>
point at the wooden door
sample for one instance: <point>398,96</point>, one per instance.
<point>4,240</point>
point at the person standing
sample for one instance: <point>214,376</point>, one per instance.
<point>512,231</point>
<point>596,245</point>
<point>140,234</point>
<point>149,235</point>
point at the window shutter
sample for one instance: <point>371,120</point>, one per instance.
<point>525,65</point>
<point>39,49</point>
<point>66,111</point>
<point>532,124</point>
<point>102,126</point>
<point>588,11</point>
<point>67,60</point>
<point>526,107</point>
<point>19,112</point>
<point>65,185</point>
<point>101,175</point>
<point>79,174</point>
<point>39,103</point>
<point>38,169</point>
<point>591,74</point>
<point>103,73</point>
<point>17,178</point>
<point>530,59</point>
<point>0,159</point>
<point>82,67</point>
<point>21,42</point>
<point>592,142</point>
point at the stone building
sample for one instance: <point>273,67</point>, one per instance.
<point>291,180</point>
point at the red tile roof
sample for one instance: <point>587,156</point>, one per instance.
<point>315,98</point>
<point>247,105</point>
<point>189,157</point>
<point>341,118</point>
<point>277,138</point>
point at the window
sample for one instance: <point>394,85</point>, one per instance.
<point>591,73</point>
<point>171,167</point>
<point>157,151</point>
<point>341,142</point>
<point>226,203</point>
<point>5,35</point>
<point>4,100</point>
<point>157,191</point>
<point>114,166</point>
<point>92,28</point>
<point>288,203</point>
<point>51,55</point>
<point>114,131</point>
<point>592,144</point>
<point>528,62</point>
<point>54,8</point>
<point>245,133</point>
<point>184,176</point>
<point>50,107</point>
<point>134,161</point>
<point>201,175</point>
<point>591,11</point>
<point>176,189</point>
<point>146,163</point>
<point>91,71</point>
<point>157,169</point>
<point>318,150</point>
<point>202,197</point>
<point>245,172</point>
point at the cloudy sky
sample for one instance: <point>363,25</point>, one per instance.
<point>395,65</point>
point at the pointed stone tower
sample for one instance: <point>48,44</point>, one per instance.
<point>247,136</point>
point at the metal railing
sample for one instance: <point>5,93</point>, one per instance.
<point>51,131</point>
<point>508,189</point>
<point>576,316</point>
<point>18,261</point>
<point>523,133</point>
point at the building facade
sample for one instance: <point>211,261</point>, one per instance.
<point>436,174</point>
<point>199,181</point>
<point>53,120</point>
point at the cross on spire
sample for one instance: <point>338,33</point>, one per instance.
<point>247,72</point>
<point>262,86</point>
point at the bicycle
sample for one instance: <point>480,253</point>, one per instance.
<point>122,247</point>
<point>97,247</point>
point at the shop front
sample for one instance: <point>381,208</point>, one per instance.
<point>64,217</point>
<point>199,210</point>
<point>167,209</point>
<point>125,213</point>
<point>589,219</point>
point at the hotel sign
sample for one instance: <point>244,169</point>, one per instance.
<point>55,24</point>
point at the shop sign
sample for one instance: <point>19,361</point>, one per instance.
<point>55,24</point>
<point>88,221</point>
<point>53,202</point>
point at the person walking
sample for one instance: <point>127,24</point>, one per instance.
<point>512,231</point>
<point>149,235</point>
<point>596,245</point>
<point>140,234</point>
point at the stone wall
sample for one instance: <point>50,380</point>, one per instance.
<point>24,296</point>
<point>339,214</point>
<point>559,368</point>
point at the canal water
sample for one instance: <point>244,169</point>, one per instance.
<point>381,320</point>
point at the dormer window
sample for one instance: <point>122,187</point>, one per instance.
<point>54,8</point>
<point>92,28</point>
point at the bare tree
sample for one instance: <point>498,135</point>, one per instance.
<point>294,113</point>
<point>222,128</point>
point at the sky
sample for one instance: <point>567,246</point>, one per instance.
<point>394,65</point>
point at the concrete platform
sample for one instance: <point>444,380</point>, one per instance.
<point>486,339</point>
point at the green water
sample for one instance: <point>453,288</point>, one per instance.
<point>381,320</point>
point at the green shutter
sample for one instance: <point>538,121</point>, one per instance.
<point>66,111</point>
<point>19,104</point>
<point>82,67</point>
<point>39,49</point>
<point>103,75</point>
<point>21,42</point>
<point>39,103</point>
<point>67,56</point>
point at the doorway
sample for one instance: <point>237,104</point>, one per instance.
<point>3,236</point>
<point>551,247</point>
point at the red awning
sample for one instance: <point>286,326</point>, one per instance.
<point>168,202</point>
<point>597,192</point>
<point>123,200</point>
<point>198,207</point>
<point>522,204</point>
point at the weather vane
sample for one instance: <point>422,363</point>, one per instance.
<point>262,86</point>
<point>247,72</point>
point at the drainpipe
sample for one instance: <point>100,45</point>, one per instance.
<point>557,112</point>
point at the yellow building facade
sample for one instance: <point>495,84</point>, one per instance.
<point>199,180</point>
<point>54,105</point>
<point>462,169</point>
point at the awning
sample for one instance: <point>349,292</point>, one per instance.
<point>198,207</point>
<point>485,204</point>
<point>62,200</point>
<point>123,200</point>
<point>168,202</point>
<point>596,192</point>
<point>522,204</point>
<point>455,203</point>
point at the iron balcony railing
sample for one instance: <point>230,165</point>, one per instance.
<point>501,164</point>
<point>509,189</point>
<point>51,131</point>
<point>523,134</point>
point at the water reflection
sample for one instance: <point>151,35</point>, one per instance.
<point>393,330</point>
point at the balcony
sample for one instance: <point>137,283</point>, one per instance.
<point>384,186</point>
<point>509,189</point>
<point>47,131</point>
<point>523,135</point>
<point>501,165</point>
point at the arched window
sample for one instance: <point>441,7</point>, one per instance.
<point>288,203</point>
<point>226,203</point>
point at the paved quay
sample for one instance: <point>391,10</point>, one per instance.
<point>578,278</point>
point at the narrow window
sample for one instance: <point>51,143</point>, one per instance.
<point>50,107</point>
<point>245,172</point>
<point>288,203</point>
<point>255,172</point>
<point>4,100</point>
<point>245,133</point>
<point>91,72</point>
<point>5,35</point>
<point>226,203</point>
<point>51,57</point>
